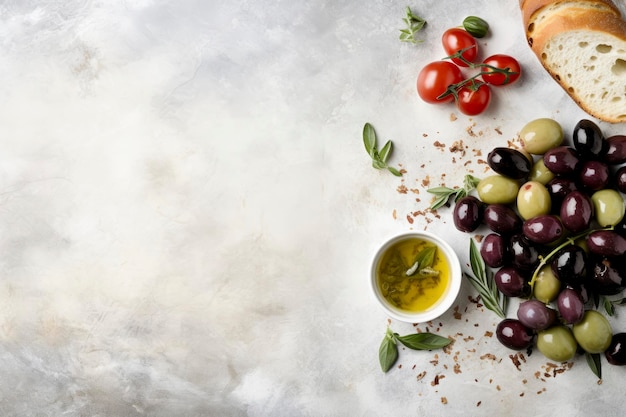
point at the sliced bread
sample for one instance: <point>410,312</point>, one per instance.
<point>582,45</point>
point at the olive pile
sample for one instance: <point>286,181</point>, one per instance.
<point>557,237</point>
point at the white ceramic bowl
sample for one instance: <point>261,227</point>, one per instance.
<point>447,299</point>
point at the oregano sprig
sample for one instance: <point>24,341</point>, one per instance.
<point>388,351</point>
<point>443,194</point>
<point>414,24</point>
<point>379,157</point>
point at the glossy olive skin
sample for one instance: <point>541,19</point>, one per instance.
<point>589,140</point>
<point>606,275</point>
<point>608,207</point>
<point>547,286</point>
<point>494,250</point>
<point>557,343</point>
<point>524,253</point>
<point>616,150</point>
<point>593,175</point>
<point>511,282</point>
<point>558,188</point>
<point>570,305</point>
<point>509,162</point>
<point>502,219</point>
<point>540,173</point>
<point>535,315</point>
<point>513,334</point>
<point>533,200</point>
<point>620,179</point>
<point>569,264</point>
<point>576,211</point>
<point>543,229</point>
<point>542,134</point>
<point>606,243</point>
<point>497,189</point>
<point>468,214</point>
<point>562,160</point>
<point>593,333</point>
<point>615,354</point>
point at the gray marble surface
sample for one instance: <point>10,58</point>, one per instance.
<point>187,213</point>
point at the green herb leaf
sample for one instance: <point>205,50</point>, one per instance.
<point>426,257</point>
<point>609,307</point>
<point>444,193</point>
<point>423,341</point>
<point>593,360</point>
<point>414,24</point>
<point>483,282</point>
<point>388,351</point>
<point>379,158</point>
<point>470,182</point>
<point>369,139</point>
<point>476,26</point>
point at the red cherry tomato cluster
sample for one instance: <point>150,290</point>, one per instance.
<point>444,81</point>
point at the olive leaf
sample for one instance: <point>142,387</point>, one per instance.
<point>484,283</point>
<point>379,157</point>
<point>593,360</point>
<point>423,261</point>
<point>443,194</point>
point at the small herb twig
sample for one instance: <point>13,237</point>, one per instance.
<point>379,157</point>
<point>443,194</point>
<point>593,360</point>
<point>483,282</point>
<point>388,351</point>
<point>414,24</point>
<point>609,305</point>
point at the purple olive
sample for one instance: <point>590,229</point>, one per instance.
<point>616,352</point>
<point>558,188</point>
<point>467,214</point>
<point>509,163</point>
<point>616,150</point>
<point>606,276</point>
<point>511,282</point>
<point>513,334</point>
<point>620,179</point>
<point>561,160</point>
<point>494,250</point>
<point>576,211</point>
<point>570,305</point>
<point>524,253</point>
<point>606,243</point>
<point>535,315</point>
<point>543,229</point>
<point>593,175</point>
<point>502,219</point>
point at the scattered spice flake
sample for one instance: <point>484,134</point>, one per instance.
<point>457,368</point>
<point>425,135</point>
<point>521,394</point>
<point>458,147</point>
<point>439,145</point>
<point>478,403</point>
<point>395,214</point>
<point>444,400</point>
<point>488,334</point>
<point>421,375</point>
<point>516,361</point>
<point>470,130</point>
<point>426,181</point>
<point>479,238</point>
<point>498,131</point>
<point>409,218</point>
<point>468,338</point>
<point>447,349</point>
<point>498,387</point>
<point>402,189</point>
<point>541,391</point>
<point>482,161</point>
<point>490,356</point>
<point>457,315</point>
<point>477,152</point>
<point>599,382</point>
<point>453,117</point>
<point>437,379</point>
<point>414,190</point>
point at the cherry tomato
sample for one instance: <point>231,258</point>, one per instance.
<point>434,79</point>
<point>473,98</point>
<point>457,39</point>
<point>503,62</point>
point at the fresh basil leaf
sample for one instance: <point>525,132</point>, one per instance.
<point>388,352</point>
<point>369,139</point>
<point>423,341</point>
<point>593,360</point>
<point>384,153</point>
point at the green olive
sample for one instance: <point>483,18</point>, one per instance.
<point>547,286</point>
<point>497,189</point>
<point>608,207</point>
<point>533,199</point>
<point>540,173</point>
<point>557,343</point>
<point>541,135</point>
<point>593,333</point>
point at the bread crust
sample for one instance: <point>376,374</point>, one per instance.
<point>572,16</point>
